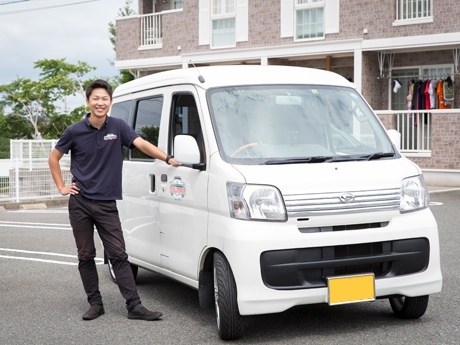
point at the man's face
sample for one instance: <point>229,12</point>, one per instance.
<point>99,102</point>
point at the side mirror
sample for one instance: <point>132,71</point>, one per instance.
<point>186,150</point>
<point>395,137</point>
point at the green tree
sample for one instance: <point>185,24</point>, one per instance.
<point>37,101</point>
<point>12,127</point>
<point>33,100</point>
<point>63,78</point>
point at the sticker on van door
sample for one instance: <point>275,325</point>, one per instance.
<point>177,188</point>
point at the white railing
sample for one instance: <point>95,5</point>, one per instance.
<point>415,129</point>
<point>151,30</point>
<point>29,176</point>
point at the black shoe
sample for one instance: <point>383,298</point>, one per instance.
<point>93,312</point>
<point>141,313</point>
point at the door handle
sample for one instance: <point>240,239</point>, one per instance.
<point>152,183</point>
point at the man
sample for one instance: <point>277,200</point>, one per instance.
<point>96,145</point>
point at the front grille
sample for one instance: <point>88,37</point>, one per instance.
<point>305,268</point>
<point>316,204</point>
<point>347,227</point>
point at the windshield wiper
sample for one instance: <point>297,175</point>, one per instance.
<point>315,159</point>
<point>378,155</point>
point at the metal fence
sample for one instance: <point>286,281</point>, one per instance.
<point>29,176</point>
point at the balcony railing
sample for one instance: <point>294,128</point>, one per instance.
<point>414,127</point>
<point>151,34</point>
<point>415,130</point>
<point>426,133</point>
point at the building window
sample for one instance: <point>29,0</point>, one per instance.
<point>177,4</point>
<point>223,18</point>
<point>414,9</point>
<point>309,19</point>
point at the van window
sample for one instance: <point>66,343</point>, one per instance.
<point>121,111</point>
<point>300,123</point>
<point>186,120</point>
<point>147,123</point>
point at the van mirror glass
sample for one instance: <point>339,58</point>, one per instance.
<point>186,149</point>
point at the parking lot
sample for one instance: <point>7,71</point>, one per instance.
<point>42,299</point>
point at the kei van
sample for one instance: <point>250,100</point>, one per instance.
<point>291,192</point>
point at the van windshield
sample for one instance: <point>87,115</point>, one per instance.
<point>289,124</point>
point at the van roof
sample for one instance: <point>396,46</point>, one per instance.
<point>217,76</point>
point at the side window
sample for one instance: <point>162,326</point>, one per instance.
<point>186,120</point>
<point>121,111</point>
<point>147,123</point>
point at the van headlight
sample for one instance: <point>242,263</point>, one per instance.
<point>255,202</point>
<point>414,194</point>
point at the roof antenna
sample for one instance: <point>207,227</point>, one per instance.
<point>200,77</point>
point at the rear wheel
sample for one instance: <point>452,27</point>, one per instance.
<point>409,307</point>
<point>134,268</point>
<point>229,320</point>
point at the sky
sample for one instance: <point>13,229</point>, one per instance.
<point>31,30</point>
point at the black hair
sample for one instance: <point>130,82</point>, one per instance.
<point>99,84</point>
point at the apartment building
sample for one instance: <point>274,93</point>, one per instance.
<point>383,46</point>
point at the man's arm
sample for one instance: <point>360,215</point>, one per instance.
<point>153,151</point>
<point>55,168</point>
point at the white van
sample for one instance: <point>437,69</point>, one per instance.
<point>290,193</point>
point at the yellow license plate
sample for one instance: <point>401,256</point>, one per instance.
<point>351,289</point>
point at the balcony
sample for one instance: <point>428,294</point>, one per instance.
<point>150,31</point>
<point>431,139</point>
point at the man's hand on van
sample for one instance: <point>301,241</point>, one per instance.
<point>173,162</point>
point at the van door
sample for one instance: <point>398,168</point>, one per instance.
<point>139,210</point>
<point>183,193</point>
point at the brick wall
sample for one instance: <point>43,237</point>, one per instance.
<point>181,28</point>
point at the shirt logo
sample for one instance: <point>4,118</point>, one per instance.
<point>110,136</point>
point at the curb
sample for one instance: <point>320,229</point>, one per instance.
<point>33,204</point>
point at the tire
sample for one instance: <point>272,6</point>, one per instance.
<point>409,307</point>
<point>134,268</point>
<point>229,320</point>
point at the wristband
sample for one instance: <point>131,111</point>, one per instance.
<point>168,157</point>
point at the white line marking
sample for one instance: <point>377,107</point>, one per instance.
<point>99,261</point>
<point>39,260</point>
<point>31,225</point>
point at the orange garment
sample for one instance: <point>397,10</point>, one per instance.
<point>440,93</point>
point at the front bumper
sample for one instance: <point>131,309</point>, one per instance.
<point>276,266</point>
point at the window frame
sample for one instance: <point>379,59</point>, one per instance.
<point>222,16</point>
<point>413,18</point>
<point>309,5</point>
<point>133,151</point>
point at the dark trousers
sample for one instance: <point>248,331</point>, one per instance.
<point>84,214</point>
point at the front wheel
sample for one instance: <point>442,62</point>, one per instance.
<point>134,268</point>
<point>409,307</point>
<point>229,321</point>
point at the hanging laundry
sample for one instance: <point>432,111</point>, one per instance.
<point>440,94</point>
<point>427,104</point>
<point>432,94</point>
<point>409,95</point>
<point>397,86</point>
<point>448,92</point>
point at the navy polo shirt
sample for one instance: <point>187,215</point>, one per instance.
<point>96,156</point>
